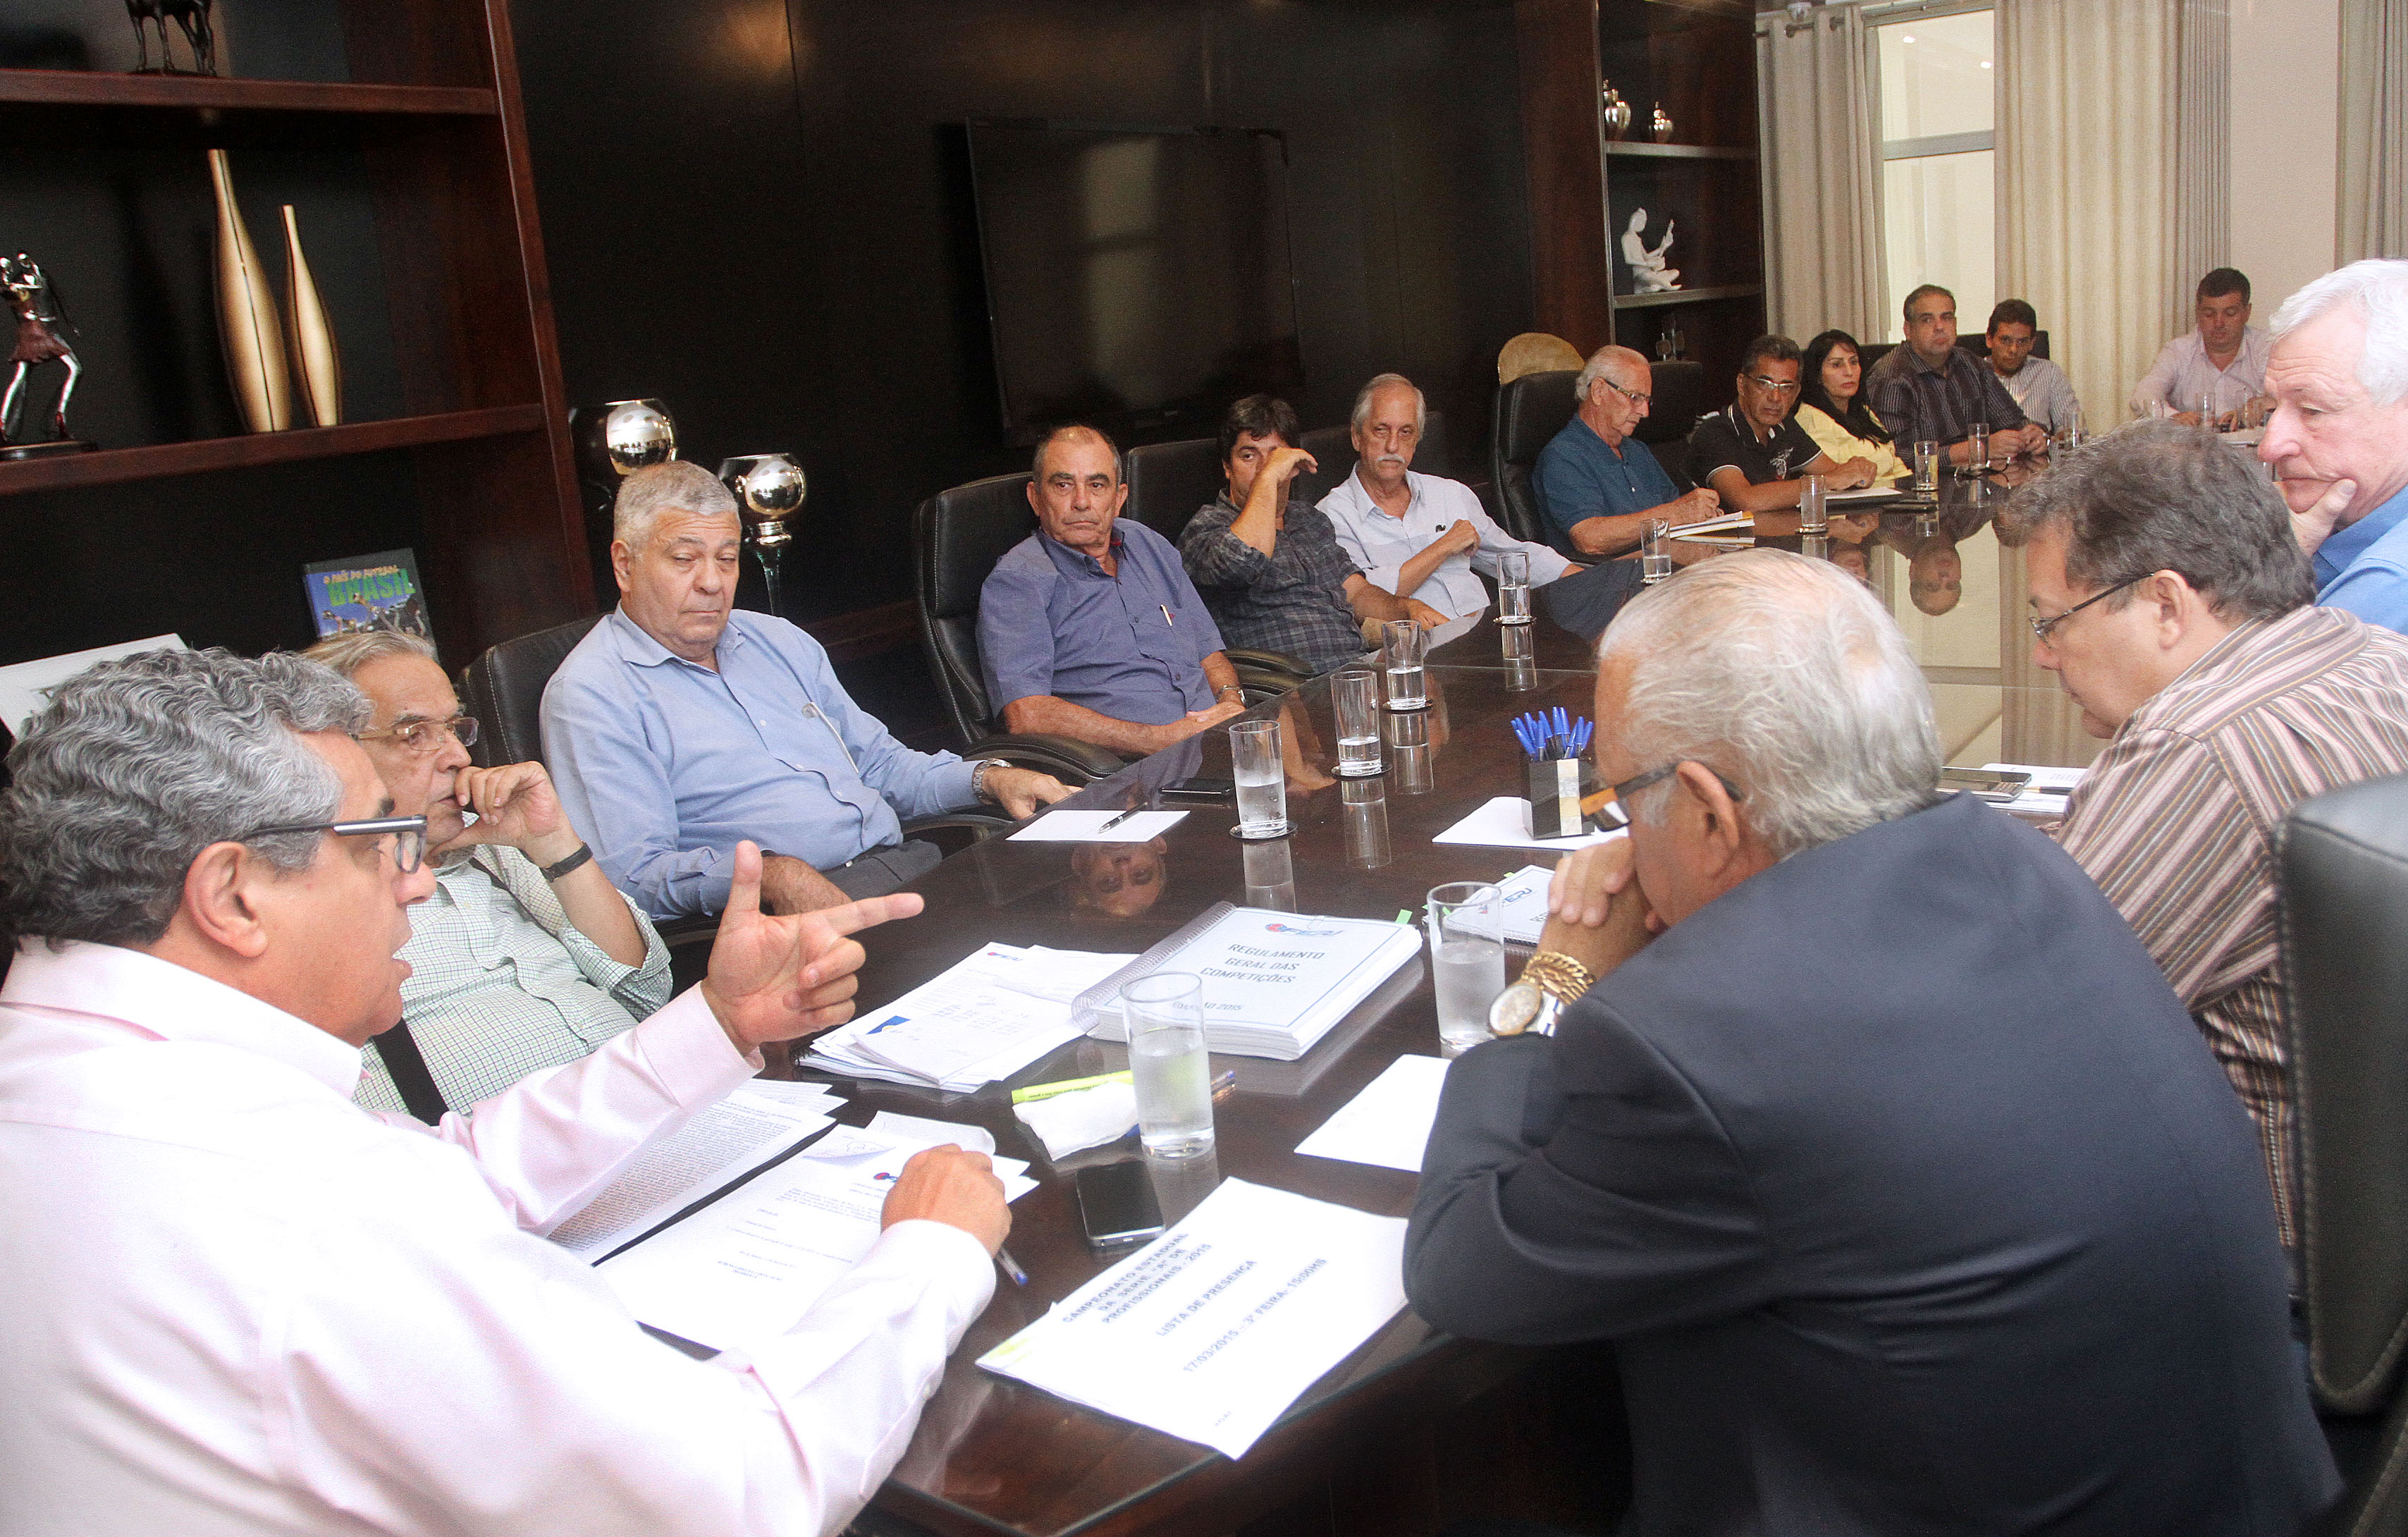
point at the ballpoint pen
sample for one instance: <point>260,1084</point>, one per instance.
<point>1118,820</point>
<point>1009,1266</point>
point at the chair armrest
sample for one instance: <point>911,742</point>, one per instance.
<point>1067,758</point>
<point>980,826</point>
<point>678,933</point>
<point>1268,662</point>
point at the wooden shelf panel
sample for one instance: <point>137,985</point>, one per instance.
<point>1675,151</point>
<point>83,88</point>
<point>110,465</point>
<point>1686,295</point>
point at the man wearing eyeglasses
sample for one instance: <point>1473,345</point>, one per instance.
<point>1598,486</point>
<point>1964,1235</point>
<point>1930,390</point>
<point>525,956</point>
<point>1753,453</point>
<point>240,1303</point>
<point>2171,598</point>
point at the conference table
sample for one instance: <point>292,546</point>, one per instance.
<point>1379,1443</point>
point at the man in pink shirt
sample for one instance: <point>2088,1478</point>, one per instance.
<point>242,1304</point>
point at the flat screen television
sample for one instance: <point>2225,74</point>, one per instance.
<point>1136,278</point>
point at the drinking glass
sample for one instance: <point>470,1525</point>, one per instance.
<point>1413,762</point>
<point>1926,466</point>
<point>1262,781</point>
<point>1521,661</point>
<point>1977,448</point>
<point>1815,546</point>
<point>2210,416</point>
<point>1354,697</point>
<point>1365,802</point>
<point>1813,516</point>
<point>1655,552</point>
<point>1404,647</point>
<point>1270,875</point>
<point>1467,960</point>
<point>1171,1070</point>
<point>1514,587</point>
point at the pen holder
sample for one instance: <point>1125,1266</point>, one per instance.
<point>1558,787</point>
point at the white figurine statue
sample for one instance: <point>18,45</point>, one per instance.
<point>1648,273</point>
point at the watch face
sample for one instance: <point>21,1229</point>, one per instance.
<point>1514,1009</point>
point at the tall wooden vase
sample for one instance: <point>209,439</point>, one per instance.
<point>316,365</point>
<point>247,323</point>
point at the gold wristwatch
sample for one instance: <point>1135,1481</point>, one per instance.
<point>1550,981</point>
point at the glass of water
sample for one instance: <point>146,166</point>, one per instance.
<point>1262,780</point>
<point>1926,466</point>
<point>1514,587</point>
<point>1467,960</point>
<point>1814,515</point>
<point>1404,647</point>
<point>1977,448</point>
<point>1521,661</point>
<point>1354,699</point>
<point>1655,552</point>
<point>1172,1073</point>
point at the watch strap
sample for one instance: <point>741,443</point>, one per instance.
<point>555,871</point>
<point>1558,975</point>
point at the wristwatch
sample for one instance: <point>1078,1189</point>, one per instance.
<point>978,778</point>
<point>1549,982</point>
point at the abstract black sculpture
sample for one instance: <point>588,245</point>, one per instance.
<point>192,16</point>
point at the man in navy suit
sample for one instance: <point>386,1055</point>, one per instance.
<point>1964,1232</point>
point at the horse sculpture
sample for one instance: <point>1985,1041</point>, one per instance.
<point>192,16</point>
<point>43,336</point>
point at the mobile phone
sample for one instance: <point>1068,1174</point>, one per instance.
<point>1117,1205</point>
<point>1201,789</point>
<point>1983,784</point>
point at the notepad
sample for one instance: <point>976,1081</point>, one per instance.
<point>1389,1123</point>
<point>1274,983</point>
<point>1504,823</point>
<point>983,1018</point>
<point>1059,827</point>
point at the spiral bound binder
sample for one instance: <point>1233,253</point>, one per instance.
<point>1098,1011</point>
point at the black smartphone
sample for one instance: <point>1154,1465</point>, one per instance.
<point>1116,1203</point>
<point>1201,789</point>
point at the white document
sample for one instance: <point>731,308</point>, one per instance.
<point>1860,494</point>
<point>1211,1330</point>
<point>25,687</point>
<point>1504,823</point>
<point>1088,827</point>
<point>741,1130</point>
<point>983,1018</point>
<point>2046,793</point>
<point>747,1267</point>
<point>1728,523</point>
<point>1275,982</point>
<point>1388,1124</point>
<point>1522,901</point>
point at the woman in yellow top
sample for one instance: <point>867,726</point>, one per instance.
<point>1831,408</point>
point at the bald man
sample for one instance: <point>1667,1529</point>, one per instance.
<point>1598,488</point>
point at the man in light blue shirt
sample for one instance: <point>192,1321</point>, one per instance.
<point>1599,487</point>
<point>678,725</point>
<point>1089,627</point>
<point>2339,434</point>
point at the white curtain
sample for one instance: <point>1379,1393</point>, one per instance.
<point>2204,133</point>
<point>1823,261</point>
<point>2373,217</point>
<point>2086,185</point>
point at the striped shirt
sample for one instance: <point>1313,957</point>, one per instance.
<point>2177,821</point>
<point>501,985</point>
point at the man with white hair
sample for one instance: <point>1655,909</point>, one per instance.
<point>1424,537</point>
<point>2339,434</point>
<point>681,726</point>
<point>239,1303</point>
<point>1599,487</point>
<point>1966,1233</point>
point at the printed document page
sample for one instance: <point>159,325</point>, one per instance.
<point>747,1267</point>
<point>1504,823</point>
<point>1210,1332</point>
<point>1388,1124</point>
<point>747,1128</point>
<point>983,1018</point>
<point>1059,827</point>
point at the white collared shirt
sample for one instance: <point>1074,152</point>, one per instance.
<point>1380,544</point>
<point>241,1304</point>
<point>2182,375</point>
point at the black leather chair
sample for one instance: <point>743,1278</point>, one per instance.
<point>1529,413</point>
<point>1680,398</point>
<point>958,537</point>
<point>2344,877</point>
<point>1168,483</point>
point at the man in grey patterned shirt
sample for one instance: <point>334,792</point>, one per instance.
<point>525,956</point>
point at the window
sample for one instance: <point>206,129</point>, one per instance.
<point>1936,74</point>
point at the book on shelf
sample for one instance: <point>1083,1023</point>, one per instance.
<point>378,591</point>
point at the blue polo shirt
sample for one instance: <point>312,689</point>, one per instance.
<point>1131,645</point>
<point>1581,477</point>
<point>2364,568</point>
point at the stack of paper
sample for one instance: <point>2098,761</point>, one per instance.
<point>985,1018</point>
<point>1211,1330</point>
<point>1729,523</point>
<point>1274,983</point>
<point>1860,494</point>
<point>2045,795</point>
<point>747,1267</point>
<point>750,1126</point>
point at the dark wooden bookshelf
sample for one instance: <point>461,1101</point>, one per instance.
<point>1675,151</point>
<point>405,156</point>
<point>1688,295</point>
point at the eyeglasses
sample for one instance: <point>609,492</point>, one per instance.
<point>1634,396</point>
<point>2041,626</point>
<point>425,736</point>
<point>1778,386</point>
<point>408,834</point>
<point>1636,783</point>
